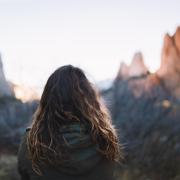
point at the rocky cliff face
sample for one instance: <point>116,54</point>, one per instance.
<point>169,70</point>
<point>5,89</point>
<point>137,75</point>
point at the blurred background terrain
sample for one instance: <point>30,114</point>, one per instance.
<point>145,108</point>
<point>142,92</point>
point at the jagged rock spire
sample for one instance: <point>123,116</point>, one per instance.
<point>169,70</point>
<point>135,69</point>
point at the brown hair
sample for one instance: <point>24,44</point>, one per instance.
<point>68,94</point>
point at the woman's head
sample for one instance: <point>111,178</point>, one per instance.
<point>69,96</point>
<point>66,91</point>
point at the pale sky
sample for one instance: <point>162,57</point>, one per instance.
<point>38,36</point>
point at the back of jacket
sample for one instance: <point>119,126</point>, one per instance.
<point>86,163</point>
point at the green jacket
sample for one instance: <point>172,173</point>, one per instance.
<point>86,163</point>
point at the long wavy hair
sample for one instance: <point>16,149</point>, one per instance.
<point>69,96</point>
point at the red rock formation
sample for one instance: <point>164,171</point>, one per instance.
<point>169,71</point>
<point>177,39</point>
<point>167,75</point>
<point>135,69</point>
<point>123,71</point>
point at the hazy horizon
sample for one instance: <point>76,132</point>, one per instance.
<point>36,37</point>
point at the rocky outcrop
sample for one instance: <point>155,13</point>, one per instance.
<point>5,89</point>
<point>135,69</point>
<point>168,74</point>
<point>169,71</point>
<point>138,76</point>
